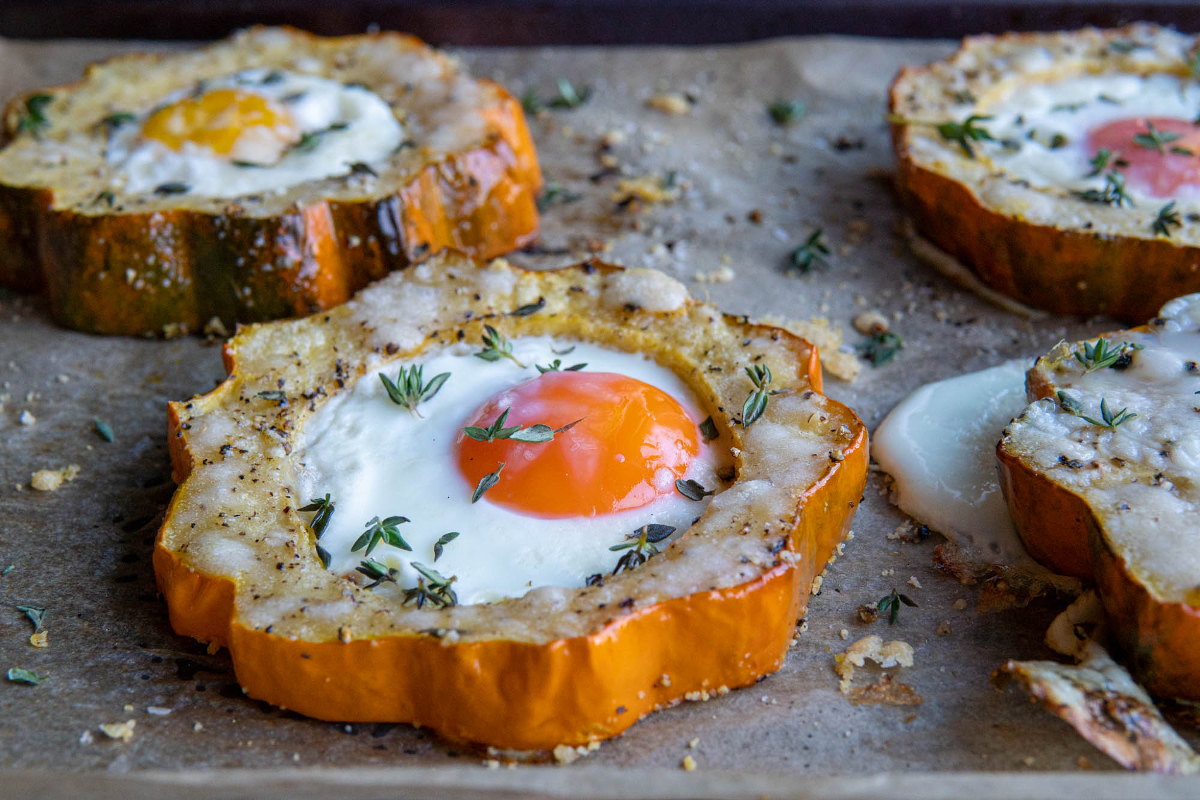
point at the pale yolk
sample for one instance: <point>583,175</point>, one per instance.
<point>1158,172</point>
<point>631,444</point>
<point>225,121</point>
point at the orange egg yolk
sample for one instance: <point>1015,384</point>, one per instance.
<point>630,445</point>
<point>1158,170</point>
<point>221,120</point>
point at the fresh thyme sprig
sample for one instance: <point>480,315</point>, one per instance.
<point>810,254</point>
<point>1167,218</point>
<point>555,193</point>
<point>880,348</point>
<point>966,132</point>
<point>1153,138</point>
<point>785,112</point>
<point>1101,356</point>
<point>437,591</point>
<point>487,482</point>
<point>440,544</point>
<point>103,429</point>
<point>692,490</point>
<point>311,140</point>
<point>320,521</point>
<point>1105,159</point>
<point>534,433</point>
<point>386,530</point>
<point>18,675</point>
<point>641,544</point>
<point>756,403</point>
<point>33,118</point>
<point>410,389</point>
<point>36,614</point>
<point>496,347</point>
<point>556,365</point>
<point>568,97</point>
<point>378,573</point>
<point>890,605</point>
<point>1107,418</point>
<point>1112,194</point>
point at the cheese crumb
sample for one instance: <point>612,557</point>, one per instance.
<point>119,730</point>
<point>816,584</point>
<point>669,103</point>
<point>199,726</point>
<point>688,764</point>
<point>719,275</point>
<point>694,742</point>
<point>913,582</point>
<point>38,639</point>
<point>49,480</point>
<point>960,604</point>
<point>885,654</point>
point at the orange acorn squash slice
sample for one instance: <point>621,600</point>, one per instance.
<point>239,564</point>
<point>269,175</point>
<point>1100,474</point>
<point>1062,168</point>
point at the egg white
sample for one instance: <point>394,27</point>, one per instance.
<point>374,458</point>
<point>1026,120</point>
<point>371,135</point>
<point>939,446</point>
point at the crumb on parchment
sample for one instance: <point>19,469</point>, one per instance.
<point>49,480</point>
<point>119,730</point>
<point>885,654</point>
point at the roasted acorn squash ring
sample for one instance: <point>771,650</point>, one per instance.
<point>238,566</point>
<point>1043,246</point>
<point>148,264</point>
<point>1067,513</point>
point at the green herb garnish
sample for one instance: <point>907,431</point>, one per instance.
<point>36,614</point>
<point>362,168</point>
<point>756,403</point>
<point>1101,356</point>
<point>105,196</point>
<point>18,675</point>
<point>641,545</point>
<point>377,572</point>
<point>880,348</point>
<point>324,508</point>
<point>1167,218</point>
<point>496,347</point>
<point>114,121</point>
<point>785,112</point>
<point>533,433</point>
<point>443,540</point>
<point>1153,138</point>
<point>965,132</point>
<point>528,308</point>
<point>175,187</point>
<point>437,591</point>
<point>1126,46</point>
<point>277,396</point>
<point>556,365</point>
<point>1112,194</point>
<point>487,482</point>
<point>568,96</point>
<point>1107,418</point>
<point>410,389</point>
<point>104,430</point>
<point>33,118</point>
<point>555,193</point>
<point>310,141</point>
<point>378,531</point>
<point>692,490</point>
<point>708,429</point>
<point>890,605</point>
<point>1105,159</point>
<point>810,254</point>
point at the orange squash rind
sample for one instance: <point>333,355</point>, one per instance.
<point>112,263</point>
<point>717,610</point>
<point>1044,246</point>
<point>1113,504</point>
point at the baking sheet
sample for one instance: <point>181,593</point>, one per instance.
<point>83,552</point>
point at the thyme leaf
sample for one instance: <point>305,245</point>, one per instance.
<point>692,490</point>
<point>437,591</point>
<point>890,605</point>
<point>410,389</point>
<point>1112,194</point>
<point>1153,138</point>
<point>1101,356</point>
<point>555,193</point>
<point>33,117</point>
<point>708,429</point>
<point>1167,218</point>
<point>810,254</point>
<point>1105,159</point>
<point>114,121</point>
<point>311,140</point>
<point>18,675</point>
<point>756,403</point>
<point>36,614</point>
<point>496,347</point>
<point>172,188</point>
<point>440,544</point>
<point>965,132</point>
<point>641,544</point>
<point>377,531</point>
<point>378,573</point>
<point>569,96</point>
<point>103,429</point>
<point>556,365</point>
<point>487,482</point>
<point>324,508</point>
<point>528,308</point>
<point>785,112</point>
<point>880,348</point>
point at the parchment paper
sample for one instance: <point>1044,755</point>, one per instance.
<point>83,552</point>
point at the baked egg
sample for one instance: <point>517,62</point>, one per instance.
<point>258,130</point>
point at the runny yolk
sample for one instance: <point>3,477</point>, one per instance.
<point>224,121</point>
<point>630,445</point>
<point>1164,156</point>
